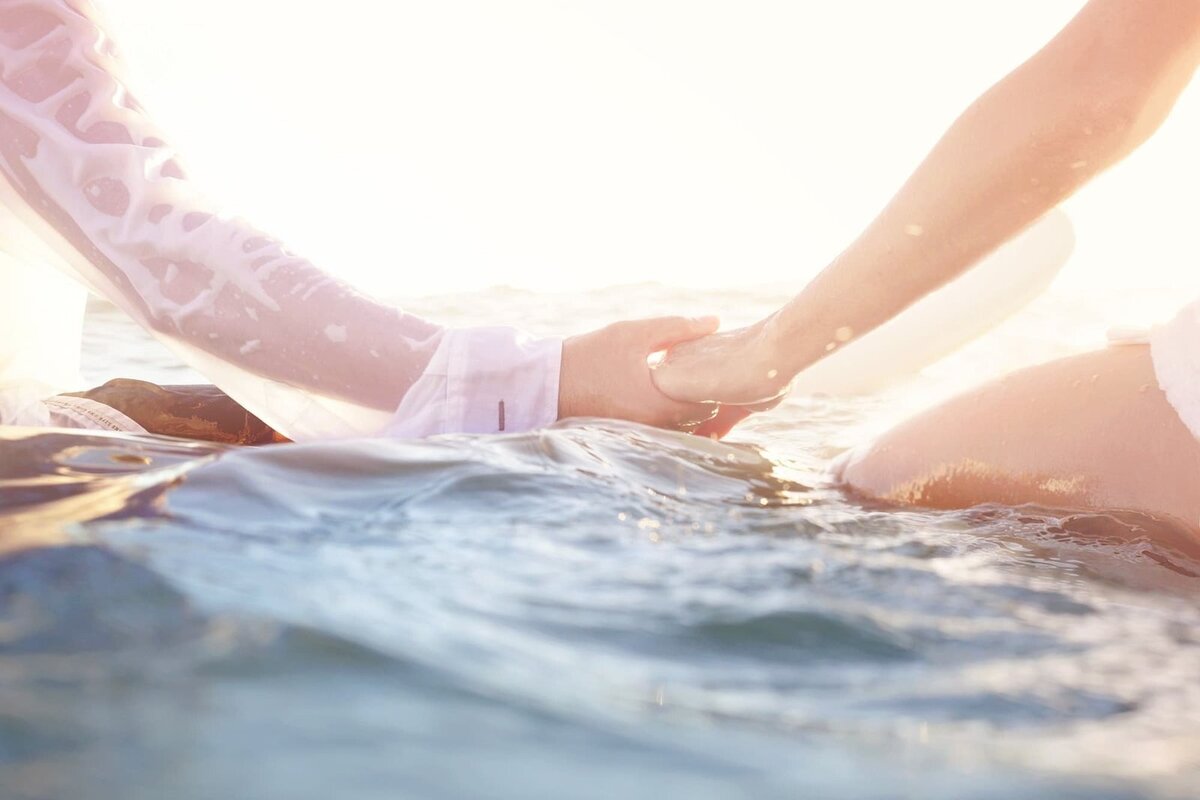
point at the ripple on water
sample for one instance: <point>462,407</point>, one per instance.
<point>606,585</point>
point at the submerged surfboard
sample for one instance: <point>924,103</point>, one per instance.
<point>998,286</point>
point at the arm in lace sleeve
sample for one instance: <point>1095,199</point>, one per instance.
<point>88,174</point>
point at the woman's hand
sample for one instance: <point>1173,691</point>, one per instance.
<point>743,367</point>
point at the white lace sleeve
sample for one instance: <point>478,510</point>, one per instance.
<point>88,174</point>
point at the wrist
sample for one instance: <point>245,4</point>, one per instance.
<point>782,337</point>
<point>796,337</point>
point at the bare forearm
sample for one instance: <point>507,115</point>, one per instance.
<point>1080,105</point>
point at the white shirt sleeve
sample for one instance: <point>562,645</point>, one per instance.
<point>87,173</point>
<point>483,380</point>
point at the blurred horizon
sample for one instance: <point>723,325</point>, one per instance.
<point>424,148</point>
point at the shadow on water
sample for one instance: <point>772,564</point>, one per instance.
<point>588,611</point>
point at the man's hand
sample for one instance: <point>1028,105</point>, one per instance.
<point>729,416</point>
<point>605,373</point>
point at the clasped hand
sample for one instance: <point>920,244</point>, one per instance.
<point>605,374</point>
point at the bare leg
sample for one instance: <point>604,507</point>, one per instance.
<point>1089,432</point>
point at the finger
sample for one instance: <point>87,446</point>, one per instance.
<point>763,405</point>
<point>689,416</point>
<point>662,332</point>
<point>720,425</point>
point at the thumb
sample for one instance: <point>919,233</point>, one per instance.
<point>663,332</point>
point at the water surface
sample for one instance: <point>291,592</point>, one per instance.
<point>595,610</point>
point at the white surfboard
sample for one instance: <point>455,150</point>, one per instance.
<point>997,287</point>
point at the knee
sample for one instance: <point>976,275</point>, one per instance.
<point>866,470</point>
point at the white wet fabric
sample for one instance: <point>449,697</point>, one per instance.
<point>1176,350</point>
<point>92,188</point>
<point>33,405</point>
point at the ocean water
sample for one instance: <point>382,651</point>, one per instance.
<point>596,610</point>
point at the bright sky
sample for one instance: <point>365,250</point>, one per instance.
<point>416,146</point>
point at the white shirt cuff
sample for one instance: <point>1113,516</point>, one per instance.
<point>483,380</point>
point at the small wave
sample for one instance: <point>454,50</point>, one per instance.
<point>611,578</point>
